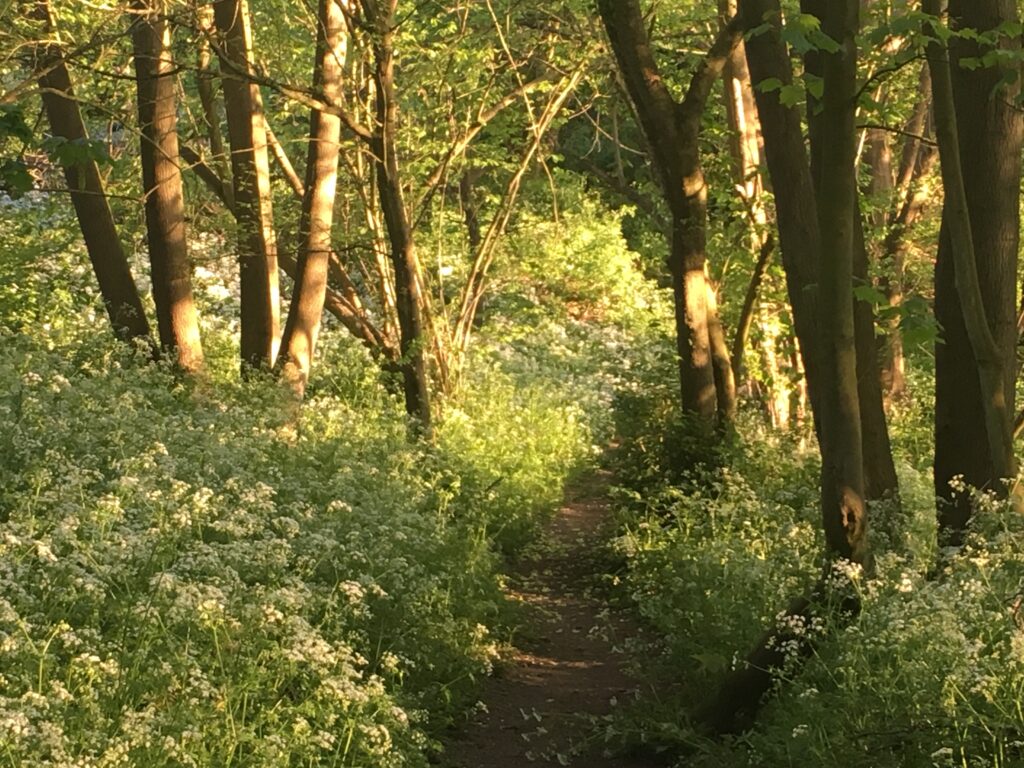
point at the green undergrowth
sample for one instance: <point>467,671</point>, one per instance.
<point>929,674</point>
<point>194,574</point>
<point>193,579</point>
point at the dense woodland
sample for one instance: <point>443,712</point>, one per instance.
<point>309,311</point>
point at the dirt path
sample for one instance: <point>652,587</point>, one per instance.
<point>565,669</point>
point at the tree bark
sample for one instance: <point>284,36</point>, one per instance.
<point>109,262</point>
<point>672,130</point>
<point>467,197</point>
<point>250,174</point>
<point>206,87</point>
<point>177,318</point>
<point>725,381</point>
<point>408,298</point>
<point>880,479</point>
<point>842,473</point>
<point>788,167</point>
<point>879,473</point>
<point>833,389</point>
<point>746,321</point>
<point>979,132</point>
<point>302,327</point>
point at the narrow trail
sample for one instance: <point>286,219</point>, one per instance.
<point>566,669</point>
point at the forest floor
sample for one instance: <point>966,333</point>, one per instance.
<point>567,668</point>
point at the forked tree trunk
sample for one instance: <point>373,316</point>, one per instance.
<point>979,131</point>
<point>250,174</point>
<point>408,297</point>
<point>302,328</point>
<point>673,130</point>
<point>177,319</point>
<point>109,263</point>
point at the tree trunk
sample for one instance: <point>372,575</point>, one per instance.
<point>206,80</point>
<point>834,391</point>
<point>746,321</point>
<point>250,174</point>
<point>408,298</point>
<point>880,480</point>
<point>879,471</point>
<point>842,473</point>
<point>879,187</point>
<point>177,319</point>
<point>725,381</point>
<point>786,155</point>
<point>467,197</point>
<point>120,295</point>
<point>979,132</point>
<point>908,201</point>
<point>298,343</point>
<point>673,130</point>
<point>744,124</point>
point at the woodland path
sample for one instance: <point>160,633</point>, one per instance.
<point>566,668</point>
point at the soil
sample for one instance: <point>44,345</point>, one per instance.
<point>568,667</point>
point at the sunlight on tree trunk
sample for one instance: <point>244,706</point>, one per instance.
<point>177,319</point>
<point>298,342</point>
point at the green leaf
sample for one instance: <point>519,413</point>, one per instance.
<point>12,123</point>
<point>790,95</point>
<point>15,179</point>
<point>870,294</point>
<point>815,85</point>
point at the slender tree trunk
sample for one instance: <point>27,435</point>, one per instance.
<point>880,480</point>
<point>746,321</point>
<point>725,381</point>
<point>834,387</point>
<point>979,131</point>
<point>908,200</point>
<point>298,343</point>
<point>467,197</point>
<point>206,87</point>
<point>744,124</point>
<point>250,173</point>
<point>788,167</point>
<point>879,187</point>
<point>110,265</point>
<point>177,319</point>
<point>744,146</point>
<point>408,297</point>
